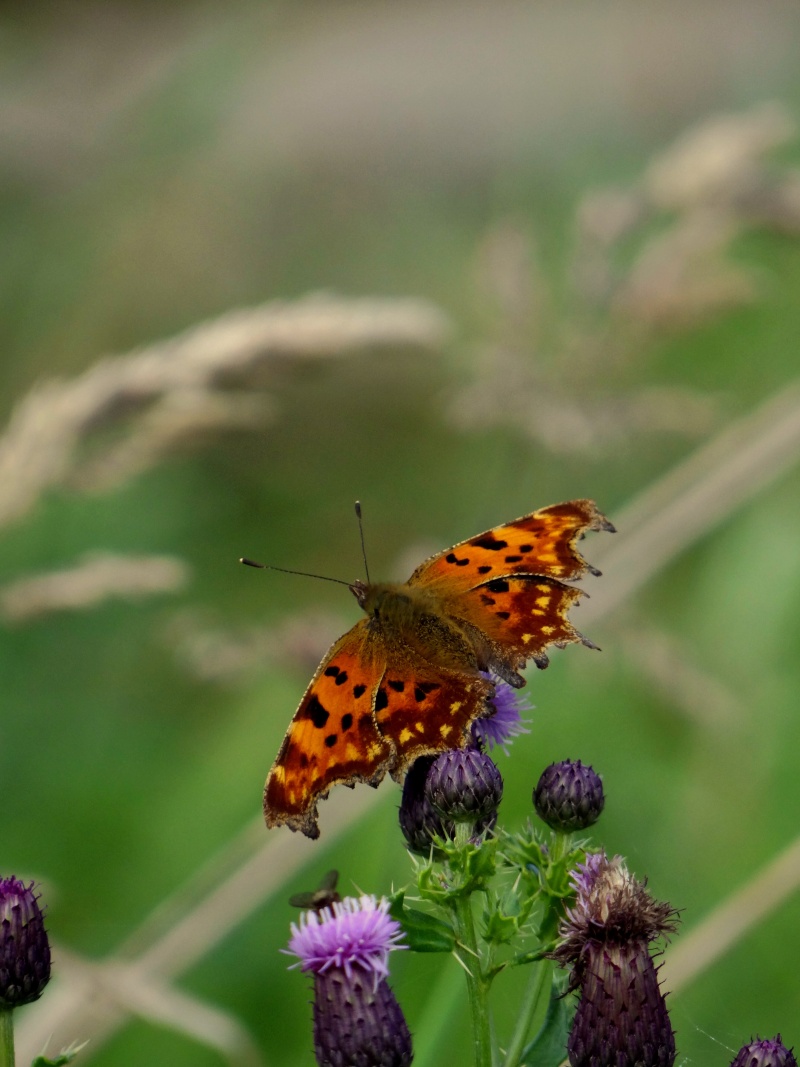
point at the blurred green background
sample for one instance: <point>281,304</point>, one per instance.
<point>163,164</point>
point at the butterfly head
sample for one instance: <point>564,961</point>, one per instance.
<point>360,591</point>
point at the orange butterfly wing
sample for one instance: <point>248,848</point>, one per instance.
<point>333,737</point>
<point>508,582</point>
<point>542,543</point>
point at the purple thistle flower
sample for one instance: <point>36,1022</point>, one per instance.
<point>622,1018</point>
<point>357,1020</point>
<point>767,1052</point>
<point>503,721</point>
<point>24,948</point>
<point>351,933</point>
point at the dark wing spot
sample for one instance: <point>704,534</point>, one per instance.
<point>347,721</point>
<point>341,678</point>
<point>381,700</point>
<point>487,599</point>
<point>397,685</point>
<point>503,614</point>
<point>489,542</point>
<point>330,740</point>
<point>513,559</point>
<point>451,557</point>
<point>359,690</point>
<point>332,671</point>
<point>498,585</point>
<point>484,569</point>
<point>315,711</point>
<point>428,687</point>
<point>419,694</point>
<point>525,548</point>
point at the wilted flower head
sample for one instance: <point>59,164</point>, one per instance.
<point>622,1018</point>
<point>503,721</point>
<point>767,1052</point>
<point>357,1020</point>
<point>24,948</point>
<point>464,785</point>
<point>569,796</point>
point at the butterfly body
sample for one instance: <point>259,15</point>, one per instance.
<point>407,679</point>
<point>417,625</point>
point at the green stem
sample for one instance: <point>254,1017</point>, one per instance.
<point>540,979</point>
<point>477,986</point>
<point>6,1038</point>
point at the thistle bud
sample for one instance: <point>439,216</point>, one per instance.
<point>769,1052</point>
<point>24,948</point>
<point>464,785</point>
<point>357,1019</point>
<point>622,1018</point>
<point>419,822</point>
<point>569,796</point>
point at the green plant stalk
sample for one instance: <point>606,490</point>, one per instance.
<point>6,1037</point>
<point>539,981</point>
<point>477,986</point>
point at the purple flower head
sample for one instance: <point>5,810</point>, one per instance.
<point>503,721</point>
<point>352,933</point>
<point>766,1052</point>
<point>357,1019</point>
<point>24,948</point>
<point>622,1017</point>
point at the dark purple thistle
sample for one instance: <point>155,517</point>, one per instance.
<point>569,796</point>
<point>24,948</point>
<point>622,1018</point>
<point>766,1052</point>
<point>419,821</point>
<point>464,785</point>
<point>357,1020</point>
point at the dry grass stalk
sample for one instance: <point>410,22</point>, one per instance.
<point>650,259</point>
<point>117,990</point>
<point>733,919</point>
<point>99,576</point>
<point>666,664</point>
<point>172,391</point>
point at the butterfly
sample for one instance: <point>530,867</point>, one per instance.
<point>406,680</point>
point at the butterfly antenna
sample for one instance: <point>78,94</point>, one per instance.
<point>363,548</point>
<point>285,570</point>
